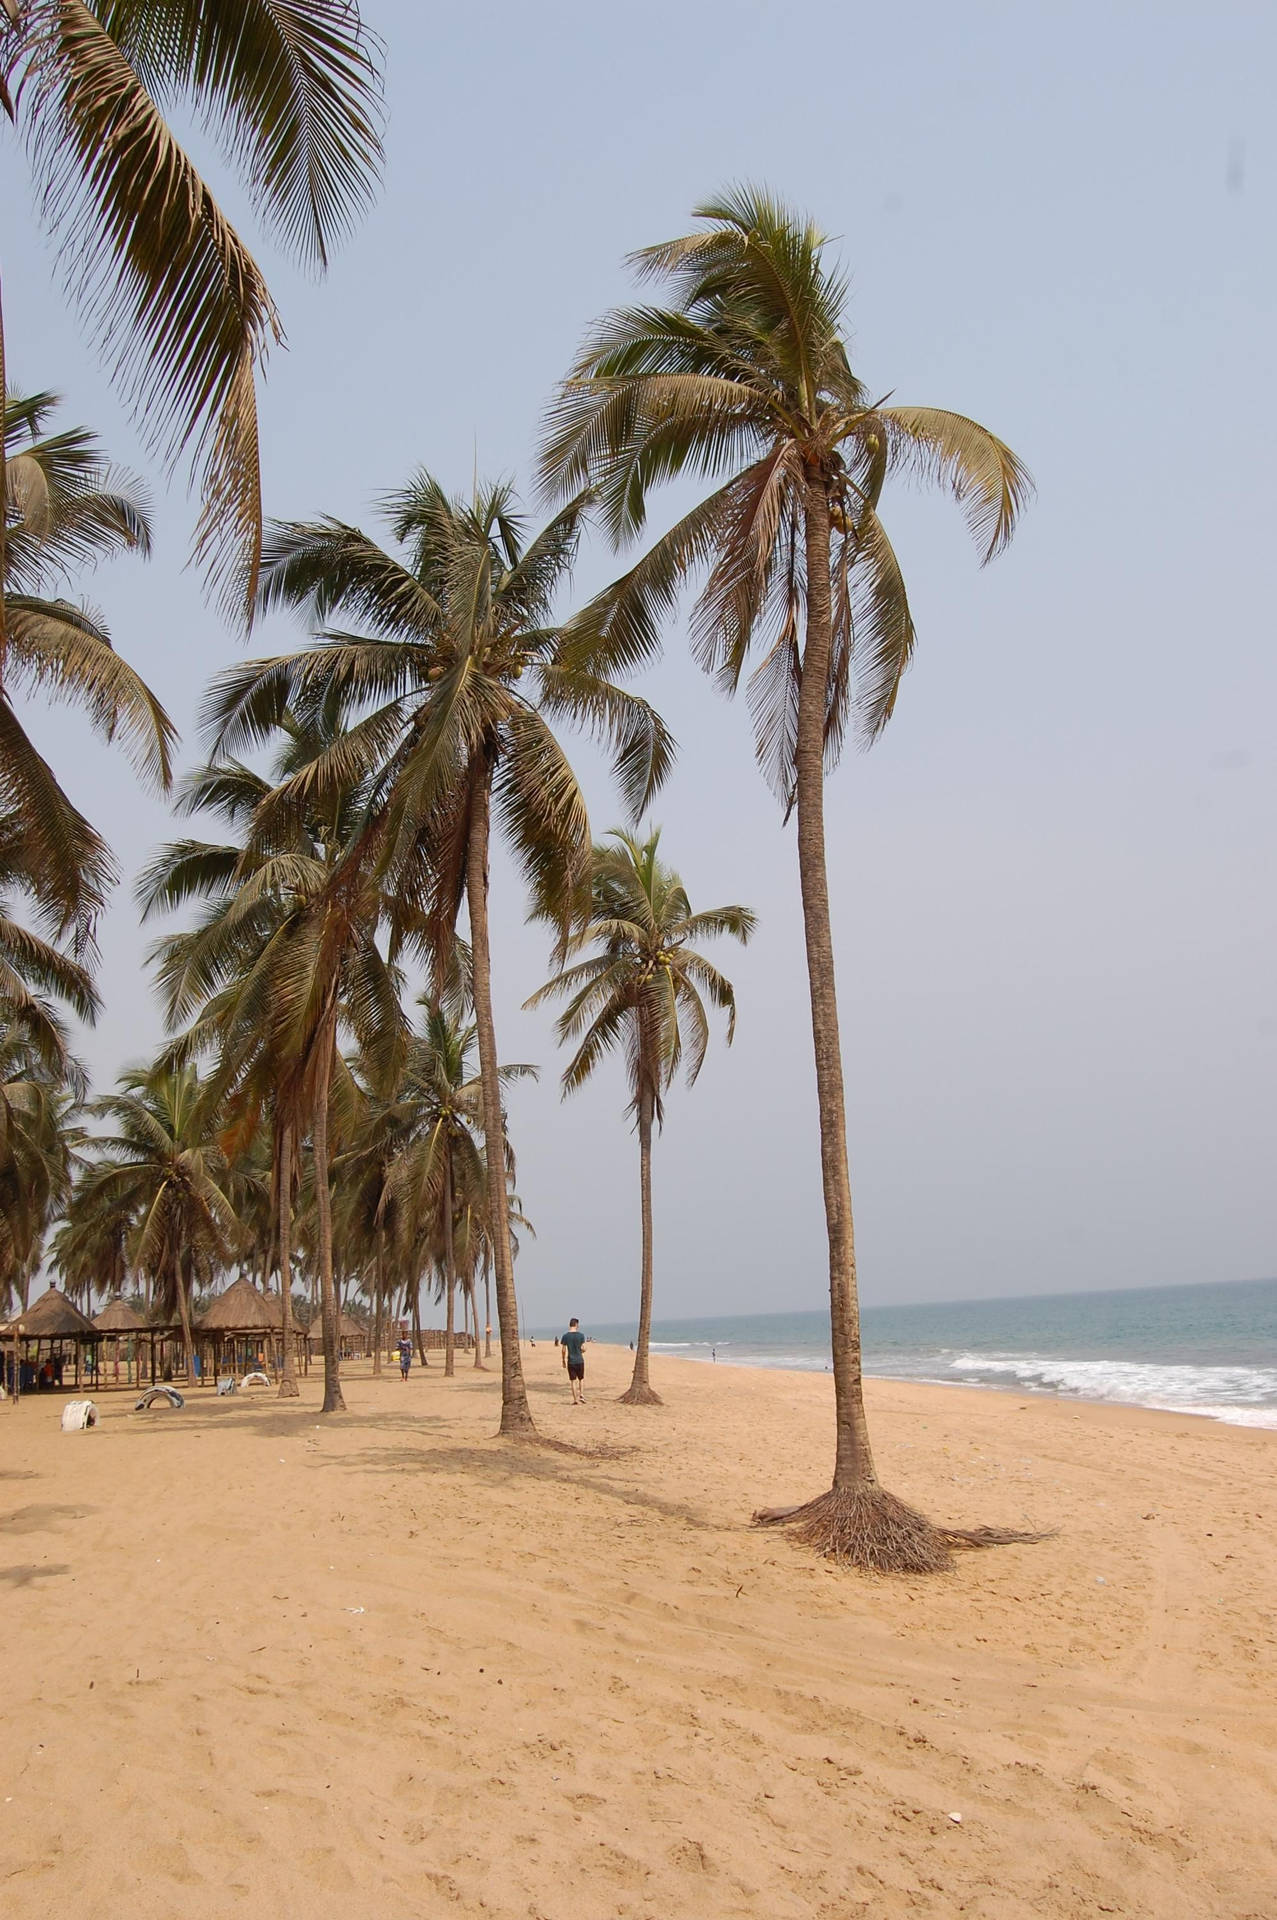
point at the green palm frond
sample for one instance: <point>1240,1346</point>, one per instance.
<point>639,991</point>
<point>178,303</point>
<point>746,374</point>
<point>59,649</point>
<point>65,864</point>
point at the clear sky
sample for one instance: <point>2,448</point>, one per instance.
<point>1053,881</point>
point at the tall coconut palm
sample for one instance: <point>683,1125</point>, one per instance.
<point>459,674</point>
<point>290,93</point>
<point>439,1168</point>
<point>643,992</point>
<point>67,508</point>
<point>745,376</point>
<point>159,1169</point>
<point>194,980</point>
<point>286,952</point>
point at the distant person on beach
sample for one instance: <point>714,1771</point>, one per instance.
<point>572,1347</point>
<point>405,1356</point>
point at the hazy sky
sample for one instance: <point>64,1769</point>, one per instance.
<point>1053,881</point>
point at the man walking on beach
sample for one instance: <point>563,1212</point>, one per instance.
<point>572,1347</point>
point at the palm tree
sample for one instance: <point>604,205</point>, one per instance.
<point>437,1176</point>
<point>179,307</point>
<point>642,992</point>
<point>161,1172</point>
<point>745,376</point>
<point>286,952</point>
<point>66,509</point>
<point>460,676</point>
<point>39,1100</point>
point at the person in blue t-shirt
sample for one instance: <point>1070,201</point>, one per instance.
<point>572,1347</point>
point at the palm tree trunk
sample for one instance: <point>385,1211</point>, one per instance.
<point>516,1415</point>
<point>450,1265</point>
<point>641,1392</point>
<point>184,1315</point>
<point>379,1294</point>
<point>487,1319</point>
<point>474,1321</point>
<point>857,1520</point>
<point>333,1399</point>
<point>853,1463</point>
<point>416,1322</point>
<point>288,1388</point>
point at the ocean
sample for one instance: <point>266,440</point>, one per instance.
<point>1198,1349</point>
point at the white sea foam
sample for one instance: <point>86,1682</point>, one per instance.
<point>1244,1396</point>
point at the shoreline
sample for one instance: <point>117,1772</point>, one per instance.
<point>386,1662</point>
<point>1267,1423</point>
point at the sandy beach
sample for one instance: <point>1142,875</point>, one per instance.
<point>390,1665</point>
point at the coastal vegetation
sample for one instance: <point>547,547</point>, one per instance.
<point>298,1120</point>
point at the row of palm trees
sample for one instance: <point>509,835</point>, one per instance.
<point>423,712</point>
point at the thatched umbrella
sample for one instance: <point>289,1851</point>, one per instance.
<point>55,1322</point>
<point>241,1325</point>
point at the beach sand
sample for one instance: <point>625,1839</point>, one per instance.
<point>390,1665</point>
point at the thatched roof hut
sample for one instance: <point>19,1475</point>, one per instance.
<point>243,1309</point>
<point>55,1327</point>
<point>239,1329</point>
<point>54,1317</point>
<point>117,1316</point>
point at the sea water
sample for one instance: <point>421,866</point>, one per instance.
<point>1199,1349</point>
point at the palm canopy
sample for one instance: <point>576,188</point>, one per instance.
<point>644,990</point>
<point>745,374</point>
<point>158,1174</point>
<point>458,675</point>
<point>264,959</point>
<point>66,508</point>
<point>38,1138</point>
<point>290,92</point>
<point>437,1111</point>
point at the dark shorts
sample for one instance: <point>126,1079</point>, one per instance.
<point>576,1369</point>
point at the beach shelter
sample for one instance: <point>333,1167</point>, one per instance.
<point>353,1337</point>
<point>239,1332</point>
<point>48,1339</point>
<point>127,1340</point>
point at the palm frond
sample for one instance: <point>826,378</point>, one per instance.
<point>987,480</point>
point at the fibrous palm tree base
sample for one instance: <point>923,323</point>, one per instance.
<point>639,1394</point>
<point>333,1401</point>
<point>289,1390</point>
<point>865,1526</point>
